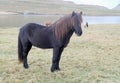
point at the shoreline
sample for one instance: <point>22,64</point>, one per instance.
<point>34,13</point>
<point>7,13</point>
<point>118,24</point>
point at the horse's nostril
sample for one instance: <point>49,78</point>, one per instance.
<point>79,33</point>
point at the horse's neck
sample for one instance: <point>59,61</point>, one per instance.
<point>66,38</point>
<point>68,35</point>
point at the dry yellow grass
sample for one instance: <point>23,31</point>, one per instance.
<point>92,58</point>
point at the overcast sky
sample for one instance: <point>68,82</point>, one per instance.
<point>107,3</point>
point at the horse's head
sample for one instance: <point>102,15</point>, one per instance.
<point>76,20</point>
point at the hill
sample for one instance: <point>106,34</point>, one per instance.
<point>52,7</point>
<point>117,7</point>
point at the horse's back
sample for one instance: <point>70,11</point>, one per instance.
<point>32,26</point>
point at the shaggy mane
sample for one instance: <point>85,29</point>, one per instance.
<point>62,26</point>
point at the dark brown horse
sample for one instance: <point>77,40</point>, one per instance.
<point>57,36</point>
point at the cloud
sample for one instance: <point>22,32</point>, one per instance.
<point>106,3</point>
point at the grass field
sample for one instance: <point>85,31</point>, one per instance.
<point>92,58</point>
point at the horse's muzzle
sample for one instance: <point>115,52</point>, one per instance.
<point>79,33</point>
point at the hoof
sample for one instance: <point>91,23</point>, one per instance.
<point>55,69</point>
<point>26,66</point>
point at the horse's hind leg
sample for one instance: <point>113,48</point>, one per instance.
<point>26,49</point>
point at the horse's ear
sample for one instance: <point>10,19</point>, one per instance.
<point>81,13</point>
<point>73,13</point>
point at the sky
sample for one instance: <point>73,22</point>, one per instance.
<point>107,3</point>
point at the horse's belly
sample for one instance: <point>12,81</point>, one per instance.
<point>43,45</point>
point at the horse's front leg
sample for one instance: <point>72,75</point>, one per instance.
<point>56,58</point>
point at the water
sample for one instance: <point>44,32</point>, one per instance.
<point>102,19</point>
<point>20,20</point>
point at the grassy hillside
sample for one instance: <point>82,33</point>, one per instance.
<point>92,58</point>
<point>53,7</point>
<point>117,7</point>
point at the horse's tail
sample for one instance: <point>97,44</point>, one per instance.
<point>20,50</point>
